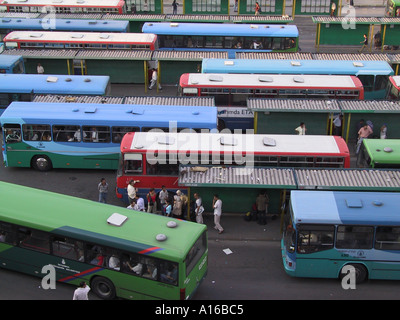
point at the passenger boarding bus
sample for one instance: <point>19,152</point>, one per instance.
<point>8,25</point>
<point>394,88</point>
<point>230,37</point>
<point>22,87</point>
<point>118,252</point>
<point>86,135</point>
<point>374,75</point>
<point>11,64</point>
<point>80,40</point>
<point>379,153</point>
<point>153,158</point>
<point>231,91</point>
<point>326,231</point>
<point>64,6</point>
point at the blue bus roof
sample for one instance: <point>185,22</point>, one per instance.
<point>344,207</point>
<point>155,116</point>
<point>296,66</point>
<point>223,29</point>
<point>53,84</point>
<point>64,24</point>
<point>7,61</point>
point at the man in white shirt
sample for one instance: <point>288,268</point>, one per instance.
<point>40,69</point>
<point>163,195</point>
<point>131,190</point>
<point>198,208</point>
<point>217,206</point>
<point>82,292</point>
<point>139,203</point>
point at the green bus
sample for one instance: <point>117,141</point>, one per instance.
<point>117,251</point>
<point>379,153</point>
<point>392,8</point>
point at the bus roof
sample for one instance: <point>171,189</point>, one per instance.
<point>223,29</point>
<point>111,114</point>
<point>52,212</point>
<point>8,60</point>
<point>345,207</point>
<point>383,151</point>
<point>296,66</point>
<point>63,3</point>
<point>64,24</point>
<point>79,37</point>
<point>235,143</point>
<point>54,84</point>
<point>268,81</point>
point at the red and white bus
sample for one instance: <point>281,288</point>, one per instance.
<point>231,91</point>
<point>153,158</point>
<point>64,6</point>
<point>80,40</point>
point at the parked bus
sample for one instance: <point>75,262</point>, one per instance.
<point>64,6</point>
<point>231,91</point>
<point>379,153</point>
<point>86,136</point>
<point>374,75</point>
<point>11,64</point>
<point>394,88</point>
<point>8,25</point>
<point>22,87</point>
<point>392,8</point>
<point>232,37</point>
<point>79,40</point>
<point>118,252</point>
<point>153,158</point>
<point>328,230</point>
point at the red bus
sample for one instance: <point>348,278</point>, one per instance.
<point>64,6</point>
<point>153,158</point>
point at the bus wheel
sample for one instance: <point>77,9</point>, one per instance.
<point>103,288</point>
<point>361,272</point>
<point>41,163</point>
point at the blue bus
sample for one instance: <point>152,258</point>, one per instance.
<point>224,37</point>
<point>11,64</point>
<point>374,75</point>
<point>328,230</point>
<point>22,87</point>
<point>12,24</point>
<point>87,135</point>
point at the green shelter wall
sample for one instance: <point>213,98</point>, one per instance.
<point>285,122</point>
<point>206,7</point>
<point>378,119</point>
<point>171,71</point>
<point>51,66</point>
<point>392,35</point>
<point>334,34</point>
<point>236,200</point>
<point>117,70</point>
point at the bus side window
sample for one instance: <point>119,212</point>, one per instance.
<point>387,238</point>
<point>12,133</point>
<point>95,255</point>
<point>169,272</point>
<point>34,240</point>
<point>6,233</point>
<point>133,163</point>
<point>67,248</point>
<point>367,81</point>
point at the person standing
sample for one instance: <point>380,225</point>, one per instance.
<point>39,69</point>
<point>162,196</point>
<point>383,133</point>
<point>217,206</point>
<point>333,8</point>
<point>103,190</point>
<point>174,7</point>
<point>262,207</point>
<point>198,209</point>
<point>364,42</point>
<point>177,208</point>
<point>139,203</point>
<point>151,201</point>
<point>257,9</point>
<point>131,190</point>
<point>301,129</point>
<point>153,82</point>
<point>81,293</point>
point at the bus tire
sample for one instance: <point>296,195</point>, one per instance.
<point>41,163</point>
<point>361,272</point>
<point>103,288</point>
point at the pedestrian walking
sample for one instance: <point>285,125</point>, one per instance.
<point>364,42</point>
<point>153,82</point>
<point>39,69</point>
<point>257,9</point>
<point>131,190</point>
<point>81,293</point>
<point>103,190</point>
<point>198,208</point>
<point>333,8</point>
<point>217,206</point>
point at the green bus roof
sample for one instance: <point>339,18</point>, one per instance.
<point>383,151</point>
<point>87,220</point>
